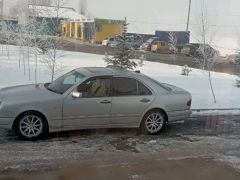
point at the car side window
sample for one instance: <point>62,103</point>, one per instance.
<point>143,90</point>
<point>124,87</point>
<point>129,87</point>
<point>95,87</point>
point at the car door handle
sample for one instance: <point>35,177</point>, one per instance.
<point>145,100</point>
<point>105,102</point>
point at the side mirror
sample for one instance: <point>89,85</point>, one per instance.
<point>76,94</point>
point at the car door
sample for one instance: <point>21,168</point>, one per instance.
<point>92,109</point>
<point>130,99</point>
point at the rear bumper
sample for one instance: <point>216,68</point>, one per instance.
<point>179,115</point>
<point>6,123</point>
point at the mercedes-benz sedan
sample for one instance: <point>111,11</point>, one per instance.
<point>89,98</point>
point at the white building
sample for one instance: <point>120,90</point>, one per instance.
<point>51,12</point>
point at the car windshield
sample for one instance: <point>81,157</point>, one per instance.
<point>150,40</point>
<point>65,82</point>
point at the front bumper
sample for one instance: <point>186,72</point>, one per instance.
<point>6,123</point>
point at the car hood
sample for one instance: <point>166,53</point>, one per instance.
<point>26,92</point>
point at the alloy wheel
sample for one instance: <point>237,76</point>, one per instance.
<point>31,126</point>
<point>154,122</point>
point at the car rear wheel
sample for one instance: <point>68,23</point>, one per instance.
<point>31,126</point>
<point>153,122</point>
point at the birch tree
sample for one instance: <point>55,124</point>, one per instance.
<point>36,31</point>
<point>53,45</point>
<point>7,34</point>
<point>172,42</point>
<point>206,56</point>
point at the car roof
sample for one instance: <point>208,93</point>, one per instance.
<point>107,71</point>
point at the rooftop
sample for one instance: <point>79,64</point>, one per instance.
<point>52,12</point>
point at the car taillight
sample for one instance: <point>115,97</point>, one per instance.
<point>189,103</point>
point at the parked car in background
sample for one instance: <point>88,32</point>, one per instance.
<point>89,98</point>
<point>105,42</point>
<point>148,44</point>
<point>194,50</point>
<point>189,49</point>
<point>111,42</point>
<point>160,47</point>
<point>135,41</point>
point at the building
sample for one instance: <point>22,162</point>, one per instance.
<point>105,28</point>
<point>93,31</point>
<point>72,24</point>
<point>78,30</point>
<point>144,37</point>
<point>54,16</point>
<point>9,22</point>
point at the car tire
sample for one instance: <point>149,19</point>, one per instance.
<point>153,122</point>
<point>31,126</point>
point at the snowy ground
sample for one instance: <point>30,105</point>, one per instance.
<point>228,96</point>
<point>217,137</point>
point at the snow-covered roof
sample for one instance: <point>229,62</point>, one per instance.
<point>52,12</point>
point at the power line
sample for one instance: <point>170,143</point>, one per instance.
<point>225,15</point>
<point>182,23</point>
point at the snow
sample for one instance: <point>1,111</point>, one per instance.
<point>228,96</point>
<point>51,12</point>
<point>216,112</point>
<point>232,161</point>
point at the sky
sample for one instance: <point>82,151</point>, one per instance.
<point>146,16</point>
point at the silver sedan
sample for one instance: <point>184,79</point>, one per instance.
<point>89,98</point>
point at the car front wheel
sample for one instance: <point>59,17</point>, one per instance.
<point>153,122</point>
<point>31,126</point>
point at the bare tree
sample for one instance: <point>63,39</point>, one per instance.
<point>36,30</point>
<point>7,36</point>
<point>185,70</point>
<point>206,56</point>
<point>24,41</point>
<point>53,45</point>
<point>172,42</point>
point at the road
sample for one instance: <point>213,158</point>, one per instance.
<point>202,147</point>
<point>73,45</point>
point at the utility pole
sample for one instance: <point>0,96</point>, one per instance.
<point>1,14</point>
<point>189,11</point>
<point>1,9</point>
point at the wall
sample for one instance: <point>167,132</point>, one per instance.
<point>105,30</point>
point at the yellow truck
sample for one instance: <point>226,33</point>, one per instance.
<point>160,47</point>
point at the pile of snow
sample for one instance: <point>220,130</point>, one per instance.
<point>228,96</point>
<point>216,112</point>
